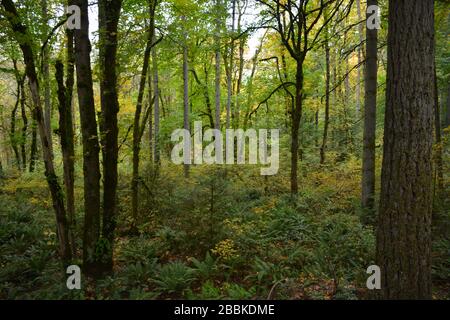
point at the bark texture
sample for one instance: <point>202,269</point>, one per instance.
<point>108,14</point>
<point>404,226</point>
<point>91,149</point>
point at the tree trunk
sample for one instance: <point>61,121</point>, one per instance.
<point>157,97</point>
<point>370,117</point>
<point>150,112</point>
<point>69,175</point>
<point>67,148</point>
<point>12,127</point>
<point>439,183</point>
<point>404,222</point>
<point>230,67</point>
<point>46,77</point>
<point>91,149</point>
<point>137,118</point>
<point>23,140</point>
<point>447,121</point>
<point>295,127</point>
<point>360,49</point>
<point>26,46</point>
<point>108,18</point>
<point>217,65</point>
<point>185,93</point>
<point>327,101</point>
<point>33,146</point>
<point>204,87</point>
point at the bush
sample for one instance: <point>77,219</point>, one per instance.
<point>174,277</point>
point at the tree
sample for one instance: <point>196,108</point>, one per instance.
<point>360,49</point>
<point>91,149</point>
<point>138,129</point>
<point>12,133</point>
<point>108,18</point>
<point>67,147</point>
<point>24,39</point>
<point>295,25</point>
<point>370,115</point>
<point>185,89</point>
<point>404,222</point>
<point>157,96</point>
<point>46,74</point>
<point>327,98</point>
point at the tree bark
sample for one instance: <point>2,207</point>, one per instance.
<point>439,177</point>
<point>137,116</point>
<point>46,76</point>
<point>218,5</point>
<point>295,127</point>
<point>12,128</point>
<point>108,17</point>
<point>360,49</point>
<point>447,121</point>
<point>370,117</point>
<point>33,146</point>
<point>67,148</point>
<point>150,112</point>
<point>91,149</point>
<point>327,101</point>
<point>156,151</point>
<point>69,173</point>
<point>23,140</point>
<point>185,92</point>
<point>404,222</point>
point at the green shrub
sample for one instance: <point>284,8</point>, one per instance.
<point>344,248</point>
<point>208,291</point>
<point>174,277</point>
<point>207,268</point>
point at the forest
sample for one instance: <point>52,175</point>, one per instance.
<point>224,149</point>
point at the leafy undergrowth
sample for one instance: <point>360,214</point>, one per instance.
<point>223,234</point>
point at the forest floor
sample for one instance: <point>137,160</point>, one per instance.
<point>222,234</point>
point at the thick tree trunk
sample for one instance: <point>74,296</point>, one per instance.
<point>404,222</point>
<point>370,117</point>
<point>91,149</point>
<point>296,116</point>
<point>108,17</point>
<point>26,46</point>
